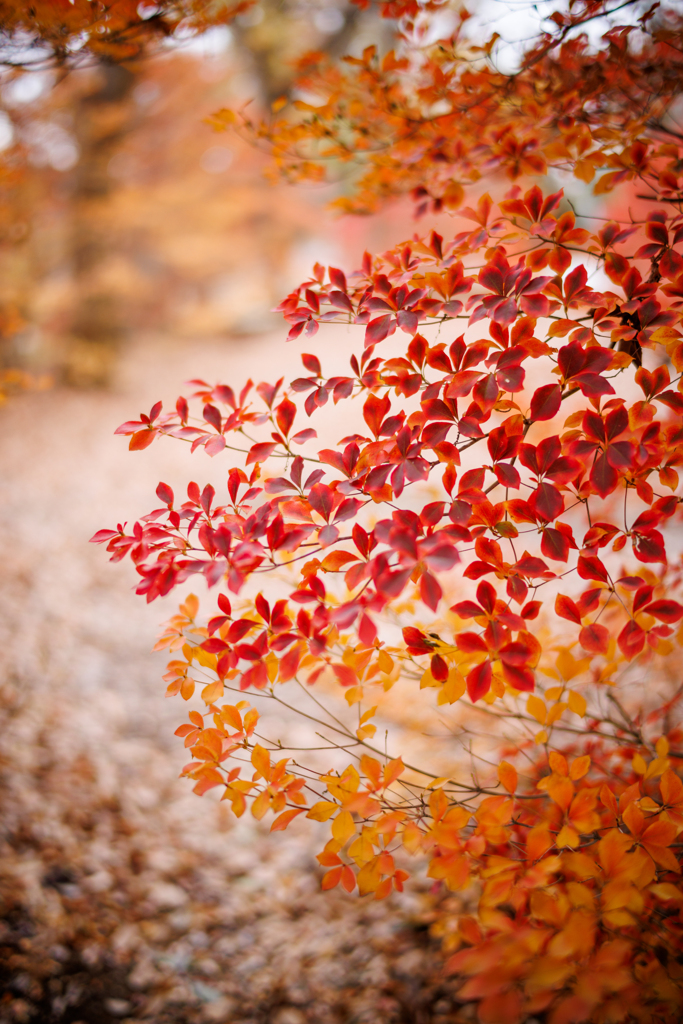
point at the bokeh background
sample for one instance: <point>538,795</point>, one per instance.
<point>140,249</point>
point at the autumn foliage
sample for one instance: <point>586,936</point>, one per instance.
<point>494,539</point>
<point>69,33</point>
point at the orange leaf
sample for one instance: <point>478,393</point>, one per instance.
<point>141,439</point>
<point>283,820</point>
<point>260,758</point>
<point>558,763</point>
<point>392,771</point>
<point>580,766</point>
<point>335,560</point>
<point>332,878</point>
<point>538,842</point>
<point>507,776</point>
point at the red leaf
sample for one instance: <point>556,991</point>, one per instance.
<point>379,329</point>
<point>374,412</point>
<point>102,535</point>
<point>665,611</point>
<point>438,666</point>
<point>260,452</point>
<point>520,678</point>
<point>486,596</point>
<point>430,590</point>
<point>591,568</point>
<point>142,439</point>
<point>416,641</point>
<point>479,681</point>
<point>555,545</point>
<point>530,566</point>
<point>545,402</point>
<point>507,475</point>
<point>566,609</point>
<point>129,427</point>
<point>631,640</point>
<point>470,643</point>
<point>594,638</point>
<point>367,631</point>
<point>649,547</point>
<point>603,476</point>
<point>546,501</point>
<point>466,609</point>
<point>312,364</point>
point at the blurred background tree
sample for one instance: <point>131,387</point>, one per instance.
<point>122,211</point>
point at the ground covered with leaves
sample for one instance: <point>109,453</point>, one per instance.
<point>122,895</point>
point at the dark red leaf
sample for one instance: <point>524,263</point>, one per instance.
<point>665,611</point>
<point>555,545</point>
<point>545,402</point>
<point>466,609</point>
<point>567,609</point>
<point>631,640</point>
<point>591,568</point>
<point>430,590</point>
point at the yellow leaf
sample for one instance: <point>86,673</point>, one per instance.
<point>354,695</point>
<point>556,712</point>
<point>385,662</point>
<point>567,665</point>
<point>343,827</point>
<point>190,607</point>
<point>323,810</point>
<point>260,758</point>
<point>452,689</point>
<point>577,703</point>
<point>657,767</point>
<point>554,692</point>
<point>205,659</point>
<point>272,666</point>
<point>428,680</point>
<point>536,708</point>
<point>239,804</point>
<point>662,746</point>
<point>261,804</point>
<point>412,837</point>
<point>541,737</point>
<point>638,764</point>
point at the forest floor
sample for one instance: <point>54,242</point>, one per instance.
<point>124,897</point>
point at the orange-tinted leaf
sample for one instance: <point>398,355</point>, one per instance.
<point>283,820</point>
<point>507,776</point>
